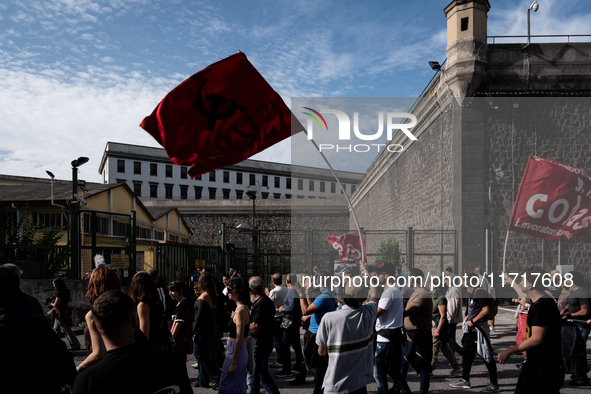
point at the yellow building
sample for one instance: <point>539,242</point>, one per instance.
<point>114,222</point>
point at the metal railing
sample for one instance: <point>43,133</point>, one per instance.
<point>567,36</point>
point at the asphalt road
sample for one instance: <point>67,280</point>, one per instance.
<point>503,337</point>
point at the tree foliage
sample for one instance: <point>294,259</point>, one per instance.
<point>26,241</point>
<point>389,251</point>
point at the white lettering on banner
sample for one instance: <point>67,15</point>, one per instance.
<point>555,203</point>
<point>529,207</point>
<point>554,206</point>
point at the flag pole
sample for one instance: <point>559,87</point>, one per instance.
<point>346,197</point>
<point>505,250</point>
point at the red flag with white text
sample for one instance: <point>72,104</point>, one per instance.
<point>220,116</point>
<point>348,245</point>
<point>553,201</point>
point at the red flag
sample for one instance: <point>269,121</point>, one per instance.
<point>553,201</point>
<point>348,245</point>
<point>220,116</point>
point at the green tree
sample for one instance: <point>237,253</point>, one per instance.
<point>389,251</point>
<point>25,241</point>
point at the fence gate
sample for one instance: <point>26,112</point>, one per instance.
<point>171,257</point>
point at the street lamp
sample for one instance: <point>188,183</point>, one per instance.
<point>51,176</point>
<point>252,194</point>
<point>534,6</point>
<point>75,221</point>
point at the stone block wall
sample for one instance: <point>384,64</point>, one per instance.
<point>416,191</point>
<point>556,128</point>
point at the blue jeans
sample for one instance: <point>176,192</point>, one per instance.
<point>387,362</point>
<point>585,334</point>
<point>380,366</point>
<point>261,371</point>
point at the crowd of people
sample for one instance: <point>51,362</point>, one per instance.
<point>353,335</point>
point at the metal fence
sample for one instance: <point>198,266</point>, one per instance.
<point>171,257</point>
<point>263,252</point>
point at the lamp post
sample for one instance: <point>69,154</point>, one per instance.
<point>534,6</point>
<point>75,219</point>
<point>252,194</point>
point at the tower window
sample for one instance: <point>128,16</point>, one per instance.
<point>464,24</point>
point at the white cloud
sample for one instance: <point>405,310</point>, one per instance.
<point>47,123</point>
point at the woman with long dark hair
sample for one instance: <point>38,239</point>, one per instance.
<point>233,378</point>
<point>62,315</point>
<point>204,331</point>
<point>102,279</point>
<point>149,310</point>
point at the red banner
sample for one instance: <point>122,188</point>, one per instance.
<point>220,116</point>
<point>348,245</point>
<point>553,201</point>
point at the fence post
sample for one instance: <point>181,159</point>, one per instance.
<point>132,254</point>
<point>223,258</point>
<point>2,233</point>
<point>309,249</point>
<point>92,238</point>
<point>410,248</point>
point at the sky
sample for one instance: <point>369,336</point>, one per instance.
<point>75,74</point>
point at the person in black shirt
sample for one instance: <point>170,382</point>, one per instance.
<point>476,325</point>
<point>577,307</point>
<point>128,367</point>
<point>541,373</point>
<point>261,329</point>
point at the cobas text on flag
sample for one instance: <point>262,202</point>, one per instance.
<point>554,200</point>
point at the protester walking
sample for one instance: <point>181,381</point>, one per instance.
<point>233,376</point>
<point>204,332</point>
<point>316,307</point>
<point>417,322</point>
<point>62,313</point>
<point>261,329</point>
<point>292,317</point>
<point>578,308</point>
<point>349,367</point>
<point>277,295</point>
<point>476,330</point>
<point>542,372</point>
<point>388,327</point>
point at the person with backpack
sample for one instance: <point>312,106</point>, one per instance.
<point>481,308</point>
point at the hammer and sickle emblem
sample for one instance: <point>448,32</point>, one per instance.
<point>216,103</point>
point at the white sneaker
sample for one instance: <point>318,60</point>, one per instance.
<point>196,365</point>
<point>461,384</point>
<point>491,388</point>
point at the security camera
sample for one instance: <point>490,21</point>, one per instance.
<point>80,199</point>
